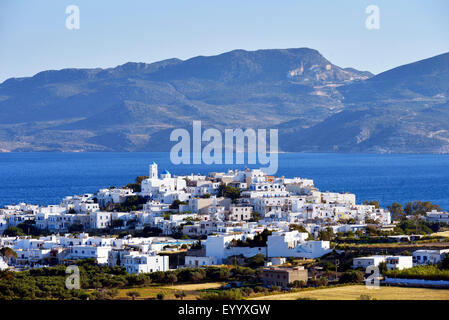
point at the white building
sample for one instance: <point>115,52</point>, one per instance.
<point>100,219</point>
<point>156,187</point>
<point>399,262</point>
<point>341,198</point>
<point>421,257</point>
<point>136,262</point>
<point>100,254</point>
<point>239,213</point>
<point>192,261</point>
<point>436,216</point>
<point>294,244</point>
<point>364,262</point>
<point>3,264</point>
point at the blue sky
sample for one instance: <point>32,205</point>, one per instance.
<point>33,36</point>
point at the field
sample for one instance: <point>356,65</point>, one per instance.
<point>354,293</point>
<point>441,234</point>
<point>150,292</point>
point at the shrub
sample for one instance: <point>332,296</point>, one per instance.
<point>352,276</point>
<point>133,294</point>
<point>232,294</point>
<point>427,272</point>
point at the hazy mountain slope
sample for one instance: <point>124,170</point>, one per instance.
<point>316,105</point>
<point>426,80</point>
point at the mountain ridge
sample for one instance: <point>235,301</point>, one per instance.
<point>134,106</point>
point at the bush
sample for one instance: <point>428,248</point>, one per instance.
<point>352,276</point>
<point>232,294</point>
<point>133,294</point>
<point>298,284</point>
<point>427,272</point>
<point>247,291</point>
<point>256,261</point>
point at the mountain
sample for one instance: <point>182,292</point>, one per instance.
<point>423,80</point>
<point>316,105</point>
<point>403,110</point>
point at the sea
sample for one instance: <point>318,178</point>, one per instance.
<point>45,178</point>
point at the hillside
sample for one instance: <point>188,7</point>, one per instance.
<point>316,105</point>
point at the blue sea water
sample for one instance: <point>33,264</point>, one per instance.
<point>45,178</point>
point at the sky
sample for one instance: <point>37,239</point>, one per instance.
<point>34,36</point>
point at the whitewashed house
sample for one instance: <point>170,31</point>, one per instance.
<point>364,262</point>
<point>100,254</point>
<point>421,257</point>
<point>192,261</point>
<point>136,262</point>
<point>100,219</point>
<point>399,262</point>
<point>3,264</point>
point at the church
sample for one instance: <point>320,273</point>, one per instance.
<point>164,187</point>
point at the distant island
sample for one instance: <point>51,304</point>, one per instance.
<point>316,105</point>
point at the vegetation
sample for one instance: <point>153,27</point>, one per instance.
<point>132,203</point>
<point>427,272</point>
<point>133,294</point>
<point>7,253</point>
<point>326,235</point>
<point>232,294</point>
<point>176,203</point>
<point>49,283</point>
<point>136,186</point>
<point>255,216</point>
<point>229,192</point>
<point>259,240</point>
<point>352,276</point>
<point>374,203</point>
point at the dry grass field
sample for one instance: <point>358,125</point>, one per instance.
<point>441,234</point>
<point>354,293</point>
<point>195,286</point>
<point>150,292</point>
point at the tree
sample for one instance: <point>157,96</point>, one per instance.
<point>117,223</point>
<point>374,203</point>
<point>298,284</point>
<point>171,278</point>
<point>133,294</point>
<point>352,276</point>
<point>76,227</point>
<point>131,203</point>
<point>229,192</point>
<point>137,185</point>
<point>326,235</point>
<point>256,261</point>
<point>397,211</point>
<point>420,208</point>
<point>176,203</point>
<point>382,267</point>
<point>297,227</point>
<point>13,232</point>
<point>255,216</point>
<point>444,264</point>
<point>7,253</point>
<point>180,294</point>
